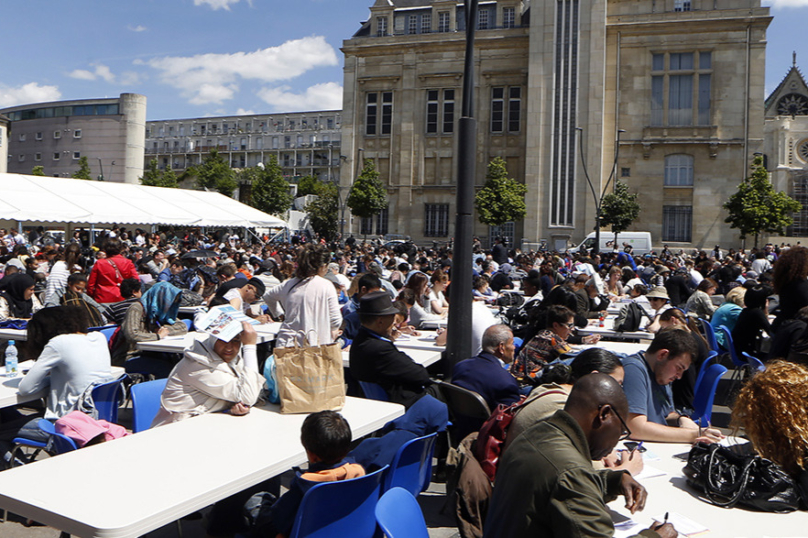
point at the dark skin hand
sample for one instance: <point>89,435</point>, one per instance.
<point>634,493</point>
<point>665,530</point>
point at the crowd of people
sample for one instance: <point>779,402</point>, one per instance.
<point>364,295</point>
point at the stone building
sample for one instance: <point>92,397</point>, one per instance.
<point>680,81</point>
<point>109,132</point>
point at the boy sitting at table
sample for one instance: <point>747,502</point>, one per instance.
<point>326,436</point>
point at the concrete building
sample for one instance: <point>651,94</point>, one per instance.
<point>4,129</point>
<point>305,143</point>
<point>109,132</point>
<point>786,150</point>
<point>681,82</point>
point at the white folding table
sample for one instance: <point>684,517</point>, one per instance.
<point>133,485</point>
<point>420,356</point>
<point>178,344</point>
<point>607,331</point>
<point>9,386</point>
<point>425,341</point>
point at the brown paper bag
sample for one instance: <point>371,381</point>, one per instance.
<point>310,378</point>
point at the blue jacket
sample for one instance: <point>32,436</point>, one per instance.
<point>485,375</point>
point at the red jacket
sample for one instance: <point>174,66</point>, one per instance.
<point>104,282</point>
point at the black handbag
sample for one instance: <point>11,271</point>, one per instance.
<point>729,477</point>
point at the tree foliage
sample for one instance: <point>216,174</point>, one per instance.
<point>84,171</point>
<point>756,208</point>
<point>324,211</point>
<point>214,173</point>
<point>619,209</point>
<point>367,196</point>
<point>308,185</point>
<point>154,177</point>
<point>502,199</point>
<point>38,171</point>
<point>270,192</point>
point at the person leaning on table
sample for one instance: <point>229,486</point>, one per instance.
<point>647,384</point>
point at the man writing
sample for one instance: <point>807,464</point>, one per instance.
<point>647,384</point>
<point>546,485</point>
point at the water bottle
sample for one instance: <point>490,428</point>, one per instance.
<point>11,360</point>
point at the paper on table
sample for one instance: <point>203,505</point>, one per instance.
<point>649,471</point>
<point>224,322</point>
<point>682,524</point>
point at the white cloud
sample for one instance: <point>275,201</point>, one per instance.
<point>82,74</point>
<point>212,78</point>
<point>101,71</point>
<point>327,96</point>
<point>216,4</point>
<point>786,3</point>
<point>28,93</point>
<point>138,28</point>
<point>130,78</point>
<point>243,112</point>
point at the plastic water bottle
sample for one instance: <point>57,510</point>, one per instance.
<point>11,360</point>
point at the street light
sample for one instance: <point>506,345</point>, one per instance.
<point>598,199</point>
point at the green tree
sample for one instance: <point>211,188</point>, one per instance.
<point>324,211</point>
<point>215,173</point>
<point>502,199</point>
<point>367,196</point>
<point>153,177</point>
<point>308,185</point>
<point>270,192</point>
<point>619,209</point>
<point>756,208</point>
<point>38,171</point>
<point>84,171</point>
<point>169,179</point>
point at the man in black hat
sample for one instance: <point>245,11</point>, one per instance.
<point>375,359</point>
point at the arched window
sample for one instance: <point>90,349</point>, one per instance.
<point>679,170</point>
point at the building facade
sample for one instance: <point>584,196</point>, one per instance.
<point>4,125</point>
<point>304,143</point>
<point>680,82</point>
<point>109,132</point>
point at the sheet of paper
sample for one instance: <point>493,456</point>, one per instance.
<point>649,471</point>
<point>682,524</point>
<point>224,322</point>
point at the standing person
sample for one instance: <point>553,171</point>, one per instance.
<point>309,302</point>
<point>108,273</point>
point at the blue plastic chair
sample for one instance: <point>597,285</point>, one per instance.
<point>706,364</point>
<point>108,332</point>
<point>374,391</point>
<point>107,398</point>
<point>189,323</point>
<point>399,515</point>
<point>146,403</point>
<point>705,395</point>
<point>411,468</point>
<point>709,334</point>
<point>59,443</point>
<point>338,509</point>
<point>754,364</point>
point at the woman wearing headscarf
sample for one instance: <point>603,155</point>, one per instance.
<point>154,317</point>
<point>17,300</point>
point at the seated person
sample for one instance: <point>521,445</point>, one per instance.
<point>375,359</point>
<point>727,314</point>
<point>73,295</point>
<point>214,375</point>
<point>546,485</point>
<point>660,301</point>
<point>17,299</point>
<point>367,283</point>
<point>242,297</point>
<point>649,375</point>
<point>683,387</point>
<point>130,291</point>
<point>485,373</point>
<point>753,321</point>
<point>326,436</point>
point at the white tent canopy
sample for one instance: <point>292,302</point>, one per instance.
<point>46,199</point>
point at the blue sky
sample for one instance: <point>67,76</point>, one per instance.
<point>195,58</point>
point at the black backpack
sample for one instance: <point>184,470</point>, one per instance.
<point>629,318</point>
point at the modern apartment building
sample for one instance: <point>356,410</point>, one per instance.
<point>109,132</point>
<point>675,88</point>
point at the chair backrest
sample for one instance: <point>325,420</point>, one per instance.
<point>755,364</point>
<point>146,403</point>
<point>706,364</point>
<point>107,398</point>
<point>733,353</point>
<point>709,334</point>
<point>61,443</point>
<point>399,515</point>
<point>374,391</point>
<point>338,509</point>
<point>189,323</point>
<point>464,402</point>
<point>412,465</point>
<point>705,395</point>
<point>108,332</point>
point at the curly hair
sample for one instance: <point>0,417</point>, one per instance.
<point>771,409</point>
<point>791,266</point>
<point>311,259</point>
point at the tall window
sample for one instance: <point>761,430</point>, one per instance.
<point>443,21</point>
<point>440,111</point>
<point>426,23</point>
<point>679,170</point>
<point>381,26</point>
<point>366,226</point>
<point>379,113</point>
<point>800,193</point>
<point>681,89</point>
<point>382,222</point>
<point>681,5</point>
<point>677,223</point>
<point>508,17</point>
<point>482,19</point>
<point>506,104</point>
<point>413,25</point>
<point>436,220</point>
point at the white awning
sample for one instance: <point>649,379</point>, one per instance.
<point>47,199</point>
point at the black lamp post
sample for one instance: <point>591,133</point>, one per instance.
<point>598,198</point>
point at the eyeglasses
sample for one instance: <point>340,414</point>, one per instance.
<point>570,325</point>
<point>626,433</point>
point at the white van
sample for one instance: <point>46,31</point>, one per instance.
<point>640,242</point>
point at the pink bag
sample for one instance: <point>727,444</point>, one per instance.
<point>86,430</point>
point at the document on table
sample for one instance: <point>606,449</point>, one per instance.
<point>649,471</point>
<point>682,524</point>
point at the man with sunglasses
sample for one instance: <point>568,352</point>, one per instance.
<point>647,384</point>
<point>546,485</point>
